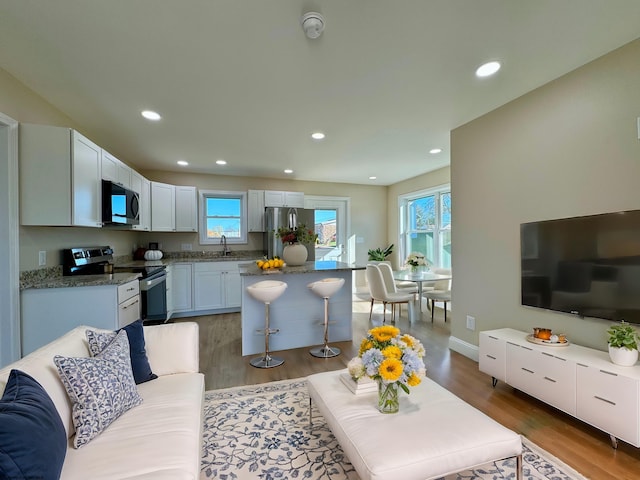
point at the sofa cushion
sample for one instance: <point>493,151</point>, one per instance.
<point>33,441</point>
<point>160,439</point>
<point>101,388</point>
<point>139,361</point>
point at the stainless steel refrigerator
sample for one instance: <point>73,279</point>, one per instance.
<point>276,217</point>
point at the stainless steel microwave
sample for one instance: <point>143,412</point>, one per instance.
<point>120,206</point>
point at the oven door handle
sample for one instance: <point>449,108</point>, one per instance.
<point>149,284</point>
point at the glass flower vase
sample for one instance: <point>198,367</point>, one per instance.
<point>388,401</point>
<point>414,268</point>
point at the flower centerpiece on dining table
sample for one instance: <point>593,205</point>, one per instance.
<point>415,260</point>
<point>294,240</point>
<point>393,360</point>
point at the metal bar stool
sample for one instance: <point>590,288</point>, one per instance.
<point>267,291</point>
<point>326,288</point>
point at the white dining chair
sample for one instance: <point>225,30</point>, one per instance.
<point>390,282</point>
<point>380,293</point>
<point>441,291</point>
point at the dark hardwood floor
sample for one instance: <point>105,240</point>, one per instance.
<point>585,448</point>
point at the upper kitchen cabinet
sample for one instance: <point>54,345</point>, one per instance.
<point>186,209</point>
<point>173,208</point>
<point>114,170</point>
<point>142,186</point>
<point>59,177</point>
<point>255,218</point>
<point>163,207</point>
<point>274,198</point>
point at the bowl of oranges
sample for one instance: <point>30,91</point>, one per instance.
<point>270,264</point>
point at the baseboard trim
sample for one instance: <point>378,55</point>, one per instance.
<point>465,348</point>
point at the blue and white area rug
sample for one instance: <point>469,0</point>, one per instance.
<point>262,432</point>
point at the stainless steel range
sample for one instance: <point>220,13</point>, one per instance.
<point>99,260</point>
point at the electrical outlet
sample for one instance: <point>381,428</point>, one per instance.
<point>359,240</point>
<point>471,322</point>
<point>186,247</point>
<point>42,258</point>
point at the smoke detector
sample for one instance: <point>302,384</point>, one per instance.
<point>312,24</point>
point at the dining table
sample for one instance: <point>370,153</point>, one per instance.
<point>419,278</point>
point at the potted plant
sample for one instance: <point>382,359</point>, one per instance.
<point>294,240</point>
<point>379,255</point>
<point>623,344</point>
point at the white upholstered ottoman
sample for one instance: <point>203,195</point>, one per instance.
<point>434,434</point>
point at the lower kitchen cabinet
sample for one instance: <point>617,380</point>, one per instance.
<point>216,285</point>
<point>48,313</point>
<point>181,282</point>
<point>211,287</point>
<point>581,381</point>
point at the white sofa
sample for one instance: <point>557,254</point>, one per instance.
<point>159,439</point>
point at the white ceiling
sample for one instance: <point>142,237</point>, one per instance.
<point>238,80</point>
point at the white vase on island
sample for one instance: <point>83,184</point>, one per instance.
<point>294,254</point>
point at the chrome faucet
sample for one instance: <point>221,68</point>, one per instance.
<point>225,250</point>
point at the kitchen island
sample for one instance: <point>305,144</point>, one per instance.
<point>298,313</point>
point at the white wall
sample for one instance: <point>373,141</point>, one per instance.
<point>566,149</point>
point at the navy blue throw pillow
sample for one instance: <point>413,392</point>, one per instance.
<point>33,442</point>
<point>139,361</point>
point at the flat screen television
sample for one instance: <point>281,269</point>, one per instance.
<point>586,266</point>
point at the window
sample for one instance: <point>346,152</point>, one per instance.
<point>425,225</point>
<point>223,213</point>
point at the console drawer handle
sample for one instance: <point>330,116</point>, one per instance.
<point>491,357</point>
<point>605,400</point>
<point>550,379</point>
<point>527,370</point>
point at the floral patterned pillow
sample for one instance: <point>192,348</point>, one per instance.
<point>98,341</point>
<point>101,388</point>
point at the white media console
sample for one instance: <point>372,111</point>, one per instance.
<point>577,380</point>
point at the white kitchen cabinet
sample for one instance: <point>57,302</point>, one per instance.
<point>216,285</point>
<point>142,186</point>
<point>59,177</point>
<point>115,170</point>
<point>255,220</point>
<point>208,286</point>
<point>49,313</point>
<point>578,380</point>
<point>173,208</point>
<point>169,290</point>
<point>128,303</point>
<point>163,207</point>
<point>181,283</point>
<point>186,209</point>
<point>274,198</point>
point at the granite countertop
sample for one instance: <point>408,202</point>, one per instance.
<point>52,277</point>
<point>309,267</point>
<point>61,281</point>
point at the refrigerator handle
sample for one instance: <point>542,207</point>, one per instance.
<point>293,218</point>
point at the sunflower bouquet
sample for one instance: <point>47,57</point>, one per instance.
<point>392,359</point>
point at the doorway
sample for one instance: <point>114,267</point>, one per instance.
<point>331,225</point>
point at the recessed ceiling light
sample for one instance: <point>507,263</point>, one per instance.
<point>182,162</point>
<point>288,170</point>
<point>221,162</point>
<point>317,135</point>
<point>433,151</point>
<point>488,69</point>
<point>151,115</point>
<point>372,178</point>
